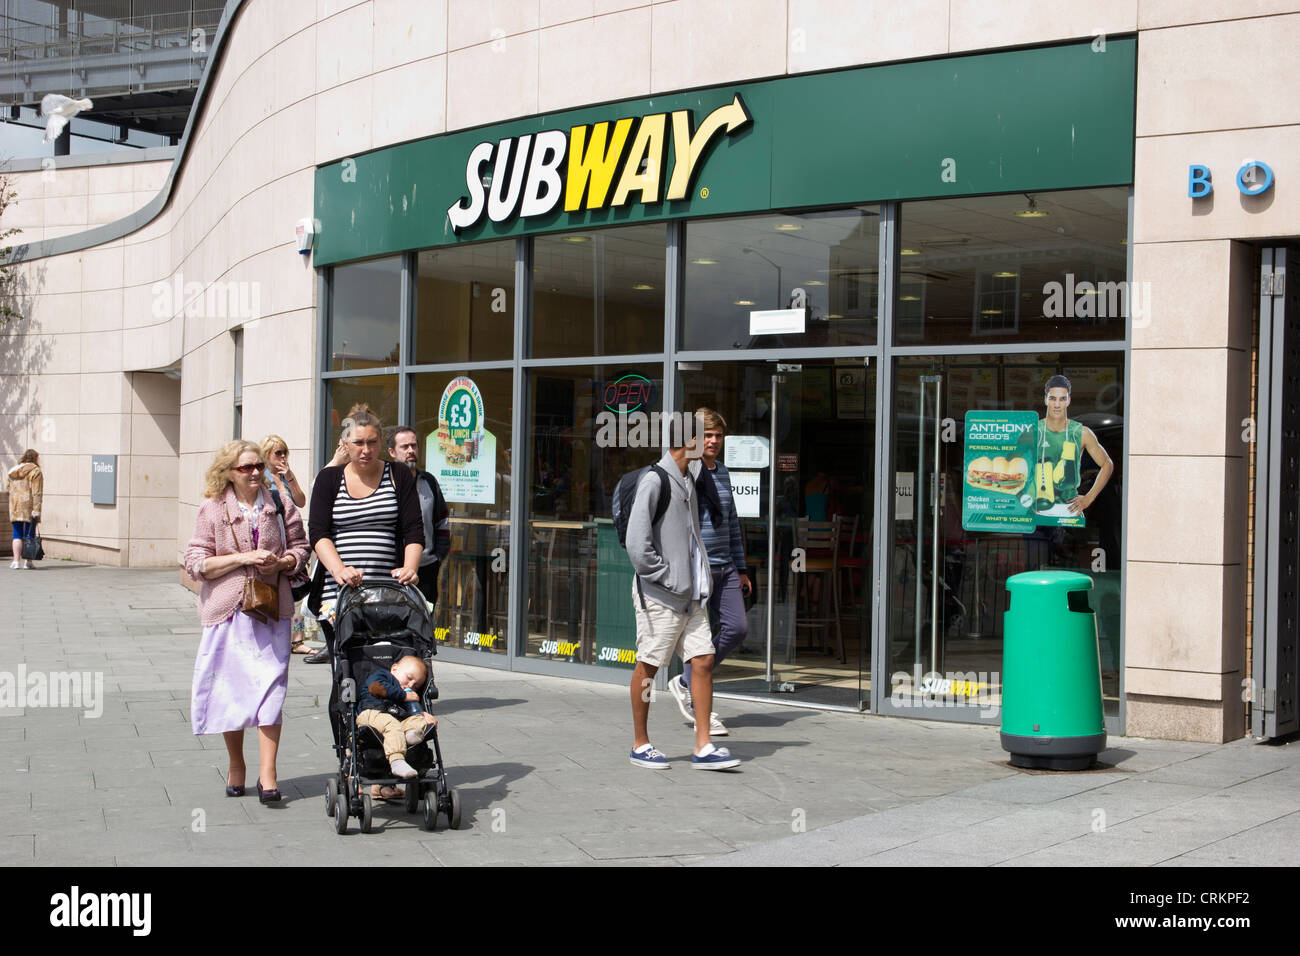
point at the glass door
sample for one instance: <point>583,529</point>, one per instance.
<point>800,457</point>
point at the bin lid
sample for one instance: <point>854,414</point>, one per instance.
<point>1057,580</point>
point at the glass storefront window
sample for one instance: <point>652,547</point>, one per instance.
<point>377,391</point>
<point>945,613</point>
<point>463,426</point>
<point>599,292</point>
<point>365,314</point>
<point>824,262</point>
<point>1041,267</point>
<point>579,577</point>
<point>465,303</point>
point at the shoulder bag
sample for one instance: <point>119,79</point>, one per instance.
<point>32,548</point>
<point>261,600</point>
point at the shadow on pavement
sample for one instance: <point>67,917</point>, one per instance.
<point>451,705</point>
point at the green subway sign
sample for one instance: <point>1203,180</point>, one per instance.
<point>1058,117</point>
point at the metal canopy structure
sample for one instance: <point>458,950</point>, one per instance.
<point>139,60</point>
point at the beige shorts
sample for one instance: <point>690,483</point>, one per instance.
<point>661,631</point>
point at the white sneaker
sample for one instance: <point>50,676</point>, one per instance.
<point>682,694</point>
<point>716,727</point>
<point>15,566</point>
<point>27,565</point>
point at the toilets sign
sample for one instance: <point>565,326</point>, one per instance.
<point>103,479</point>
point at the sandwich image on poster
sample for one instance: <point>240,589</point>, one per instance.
<point>997,490</point>
<point>461,453</point>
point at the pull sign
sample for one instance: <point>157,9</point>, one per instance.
<point>788,367</point>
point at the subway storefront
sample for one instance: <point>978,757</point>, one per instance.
<point>854,268</point>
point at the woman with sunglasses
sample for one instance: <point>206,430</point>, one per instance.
<point>241,674</point>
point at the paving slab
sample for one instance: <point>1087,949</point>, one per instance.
<point>541,767</point>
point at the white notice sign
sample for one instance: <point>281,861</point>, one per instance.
<point>777,321</point>
<point>904,493</point>
<point>745,451</point>
<point>745,487</point>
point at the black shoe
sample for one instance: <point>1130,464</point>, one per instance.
<point>317,657</point>
<point>267,796</point>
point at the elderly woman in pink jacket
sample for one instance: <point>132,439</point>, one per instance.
<point>241,675</point>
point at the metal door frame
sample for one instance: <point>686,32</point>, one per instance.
<point>1272,686</point>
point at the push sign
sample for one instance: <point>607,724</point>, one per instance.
<point>745,491</point>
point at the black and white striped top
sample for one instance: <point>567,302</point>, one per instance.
<point>365,531</point>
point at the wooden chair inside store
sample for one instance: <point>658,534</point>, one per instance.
<point>853,567</point>
<point>820,541</point>
<point>457,581</point>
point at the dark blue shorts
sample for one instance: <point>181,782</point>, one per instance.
<point>24,529</point>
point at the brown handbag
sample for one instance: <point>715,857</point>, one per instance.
<point>261,600</point>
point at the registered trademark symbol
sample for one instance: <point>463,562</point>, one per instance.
<point>704,192</point>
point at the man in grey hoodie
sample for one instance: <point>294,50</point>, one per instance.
<point>669,596</point>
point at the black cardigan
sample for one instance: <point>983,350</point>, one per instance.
<point>320,518</point>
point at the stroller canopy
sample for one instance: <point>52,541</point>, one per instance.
<point>384,610</point>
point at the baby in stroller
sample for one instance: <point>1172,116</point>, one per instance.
<point>397,689</point>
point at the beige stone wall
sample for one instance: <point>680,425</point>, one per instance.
<point>1212,93</point>
<point>308,83</point>
<point>59,201</point>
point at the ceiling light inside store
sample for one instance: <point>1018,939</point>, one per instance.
<point>909,298</point>
<point>990,311</point>
<point>1004,275</point>
<point>575,239</point>
<point>834,315</point>
<point>787,227</point>
<point>814,282</point>
<point>704,262</point>
<point>744,302</point>
<point>643,287</point>
<point>910,252</point>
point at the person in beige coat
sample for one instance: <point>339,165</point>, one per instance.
<point>26,485</point>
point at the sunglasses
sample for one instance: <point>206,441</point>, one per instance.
<point>250,469</point>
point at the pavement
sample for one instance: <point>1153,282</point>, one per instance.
<point>541,766</point>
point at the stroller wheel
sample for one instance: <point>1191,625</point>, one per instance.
<point>413,795</point>
<point>341,814</point>
<point>331,796</point>
<point>453,815</point>
<point>367,808</point>
<point>431,810</point>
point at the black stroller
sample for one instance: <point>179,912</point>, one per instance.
<point>375,625</point>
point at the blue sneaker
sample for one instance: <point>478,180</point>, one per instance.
<point>714,758</point>
<point>649,758</point>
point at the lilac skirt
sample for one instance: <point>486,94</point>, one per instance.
<point>241,675</point>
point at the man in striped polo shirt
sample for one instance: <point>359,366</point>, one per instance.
<point>720,531</point>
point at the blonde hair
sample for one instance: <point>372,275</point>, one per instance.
<point>711,420</point>
<point>360,416</point>
<point>218,474</point>
<point>270,443</point>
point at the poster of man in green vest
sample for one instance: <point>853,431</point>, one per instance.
<point>1059,444</point>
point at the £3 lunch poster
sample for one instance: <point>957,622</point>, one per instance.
<point>461,452</point>
<point>1019,474</point>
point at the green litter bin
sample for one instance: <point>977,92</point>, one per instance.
<point>1051,673</point>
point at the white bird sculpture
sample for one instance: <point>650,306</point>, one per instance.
<point>58,109</point>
